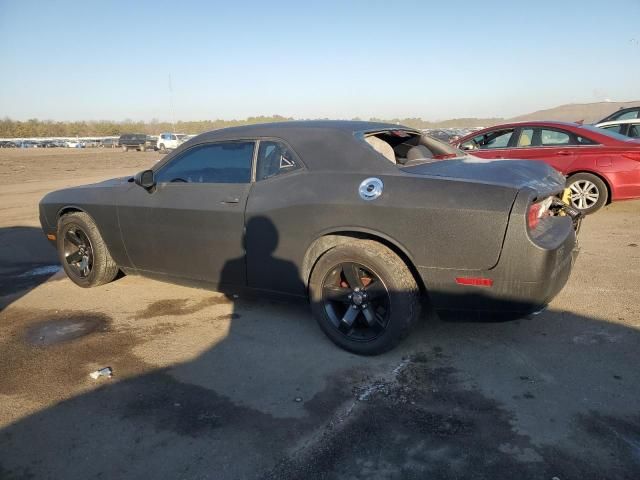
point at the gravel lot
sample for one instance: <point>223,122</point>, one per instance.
<point>210,386</point>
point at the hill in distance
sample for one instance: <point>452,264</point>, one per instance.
<point>572,112</point>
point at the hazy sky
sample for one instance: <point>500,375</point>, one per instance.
<point>91,60</point>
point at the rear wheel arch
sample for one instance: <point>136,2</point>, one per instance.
<point>326,242</point>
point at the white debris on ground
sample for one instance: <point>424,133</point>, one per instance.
<point>103,372</point>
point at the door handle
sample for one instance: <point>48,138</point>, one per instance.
<point>563,152</point>
<point>230,200</point>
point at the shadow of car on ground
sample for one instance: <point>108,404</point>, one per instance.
<point>26,260</point>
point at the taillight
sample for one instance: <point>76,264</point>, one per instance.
<point>537,211</point>
<point>532,217</point>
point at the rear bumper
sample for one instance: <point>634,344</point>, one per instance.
<point>527,276</point>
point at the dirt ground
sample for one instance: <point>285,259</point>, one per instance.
<point>213,386</point>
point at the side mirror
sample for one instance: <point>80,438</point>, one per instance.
<point>467,146</point>
<point>146,179</point>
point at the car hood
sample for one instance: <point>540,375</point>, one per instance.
<point>509,173</point>
<point>112,182</point>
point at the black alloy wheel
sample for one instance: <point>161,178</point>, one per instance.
<point>356,301</point>
<point>78,251</point>
<point>82,252</point>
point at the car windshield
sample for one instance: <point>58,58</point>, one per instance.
<point>607,133</point>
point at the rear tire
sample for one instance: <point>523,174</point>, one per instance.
<point>373,317</point>
<point>78,239</point>
<point>588,192</point>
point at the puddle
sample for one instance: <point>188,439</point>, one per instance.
<point>65,329</point>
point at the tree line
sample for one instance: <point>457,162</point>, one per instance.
<point>105,128</point>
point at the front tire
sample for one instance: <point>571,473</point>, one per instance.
<point>82,251</point>
<point>364,297</point>
<point>588,193</point>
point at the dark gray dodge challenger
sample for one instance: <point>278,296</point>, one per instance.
<point>365,218</point>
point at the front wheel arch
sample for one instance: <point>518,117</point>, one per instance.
<point>67,210</point>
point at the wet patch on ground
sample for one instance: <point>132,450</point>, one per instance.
<point>172,428</point>
<point>56,350</point>
<point>20,474</point>
<point>427,424</point>
<point>64,328</point>
<point>179,306</point>
<point>623,433</point>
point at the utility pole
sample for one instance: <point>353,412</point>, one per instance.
<point>173,115</point>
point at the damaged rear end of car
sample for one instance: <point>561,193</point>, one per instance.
<point>539,245</point>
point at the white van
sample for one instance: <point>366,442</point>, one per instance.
<point>169,141</point>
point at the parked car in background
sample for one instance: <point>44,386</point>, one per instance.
<point>602,166</point>
<point>443,135</point>
<point>136,141</point>
<point>360,216</point>
<point>170,141</point>
<point>630,113</point>
<point>109,143</point>
<point>27,144</point>
<point>628,128</point>
<point>7,144</point>
<point>74,144</point>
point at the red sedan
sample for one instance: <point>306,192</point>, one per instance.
<point>601,166</point>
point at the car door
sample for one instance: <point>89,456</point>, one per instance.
<point>191,223</point>
<point>554,146</point>
<point>272,239</point>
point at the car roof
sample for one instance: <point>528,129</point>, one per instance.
<point>625,110</point>
<point>577,129</point>
<point>618,122</point>
<point>533,123</point>
<point>538,123</point>
<point>322,144</point>
<point>265,129</point>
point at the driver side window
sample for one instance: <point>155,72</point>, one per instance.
<point>228,162</point>
<point>496,139</point>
